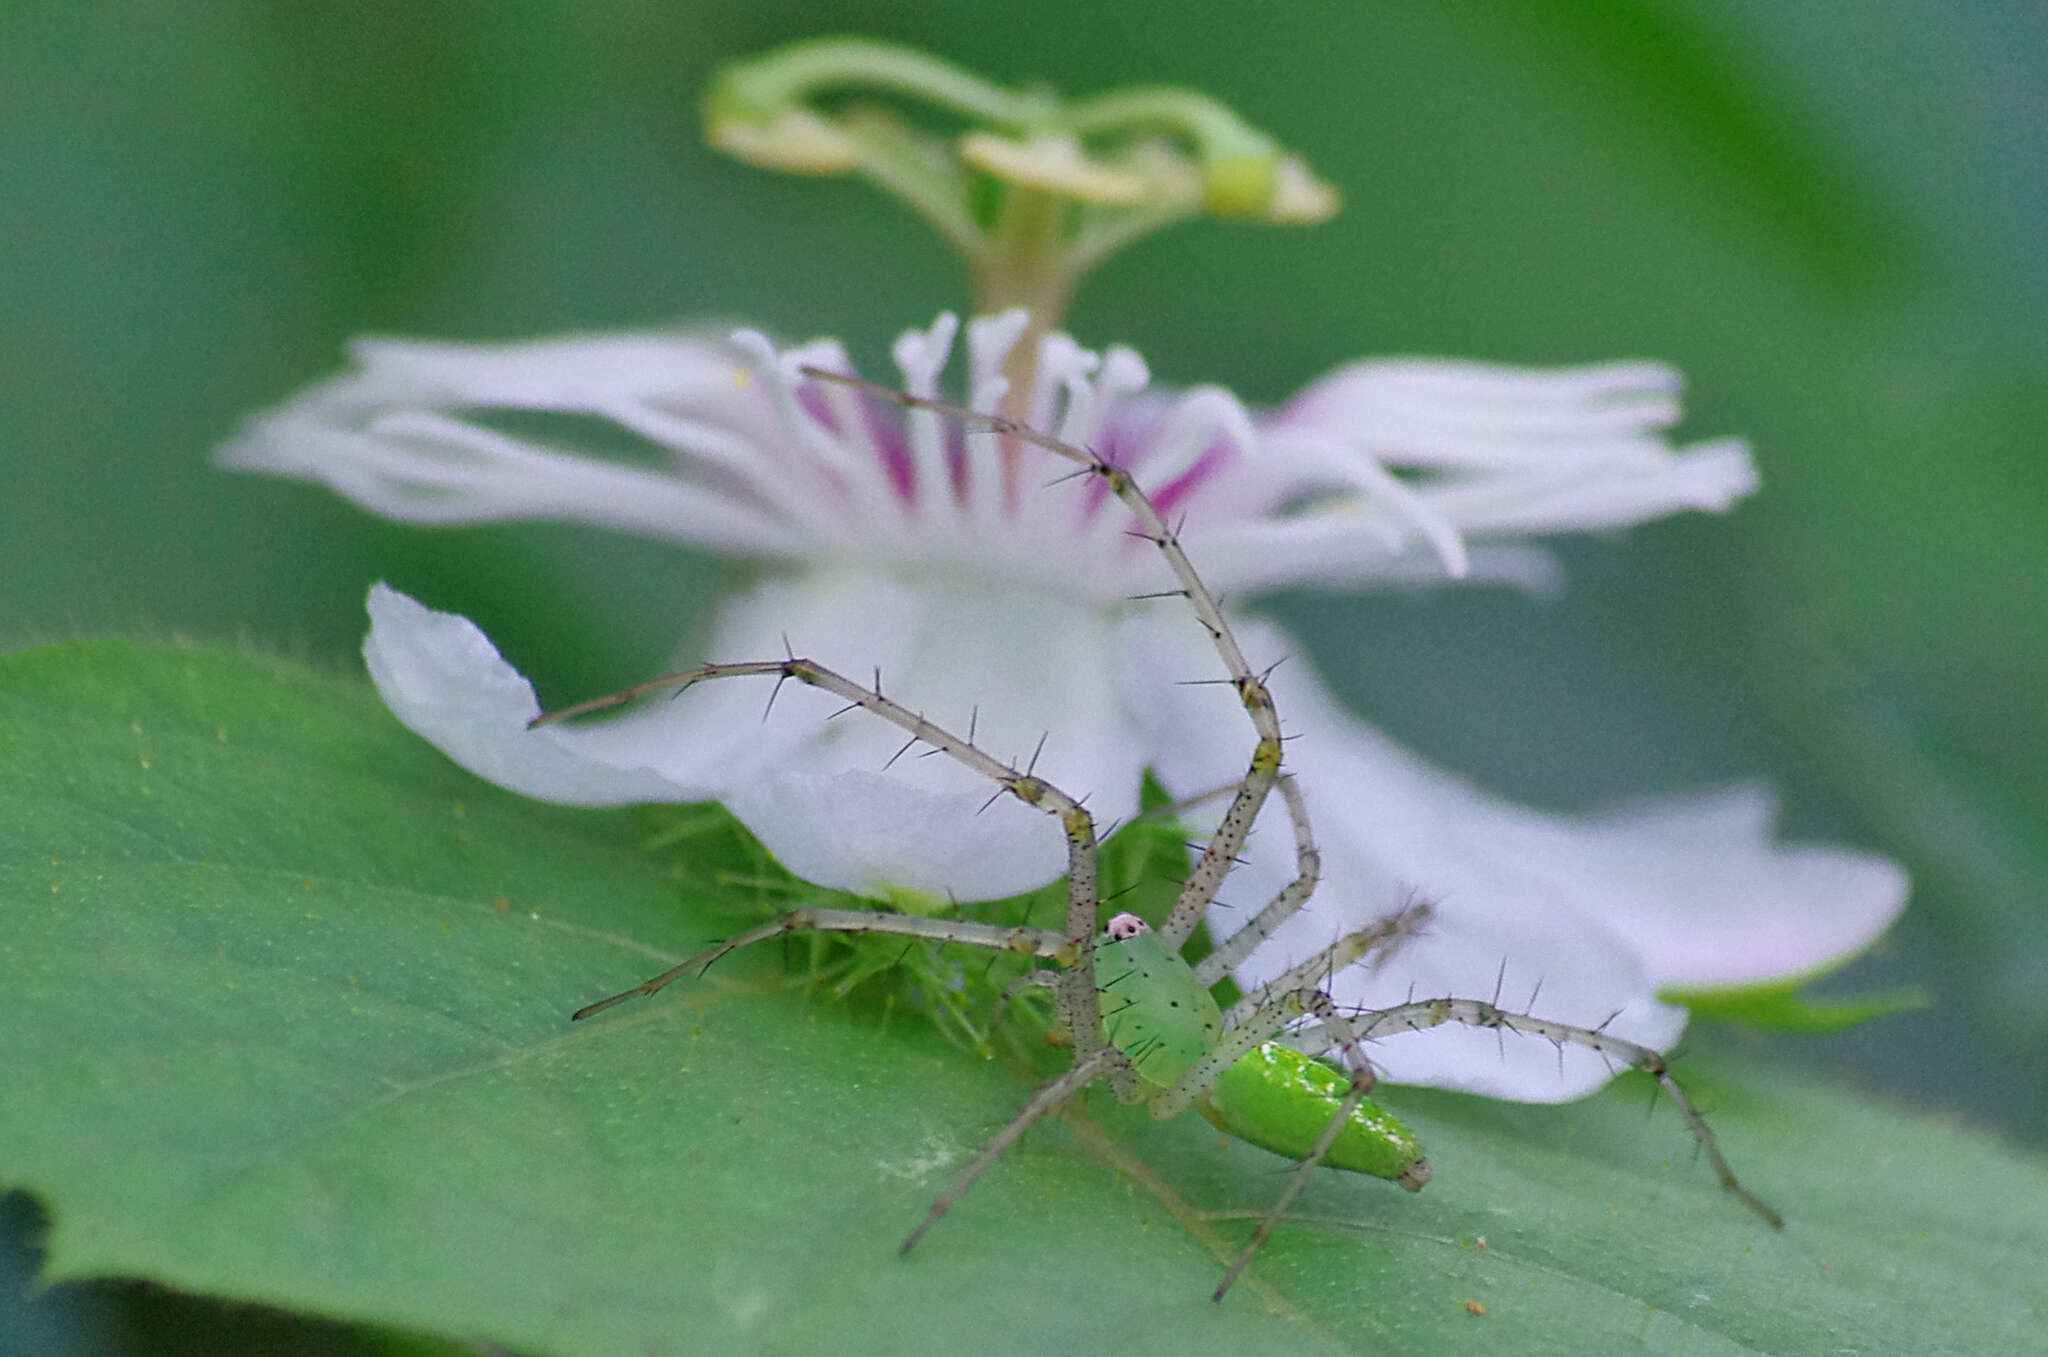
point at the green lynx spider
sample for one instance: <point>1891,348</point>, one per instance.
<point>1138,1015</point>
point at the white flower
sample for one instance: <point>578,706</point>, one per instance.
<point>987,598</point>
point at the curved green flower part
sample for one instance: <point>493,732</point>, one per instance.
<point>1030,188</point>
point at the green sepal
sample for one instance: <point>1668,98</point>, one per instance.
<point>1281,1100</point>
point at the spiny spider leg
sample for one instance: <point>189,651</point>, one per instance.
<point>1308,868</point>
<point>1304,998</point>
<point>1246,1029</point>
<point>995,937</point>
<point>1079,1010</point>
<point>1085,1071</point>
<point>1221,851</point>
<point>1362,1080</point>
<point>1165,1042</point>
<point>1033,979</point>
<point>1381,937</point>
<point>1216,859</point>
<point>1419,1015</point>
<point>1243,1047</point>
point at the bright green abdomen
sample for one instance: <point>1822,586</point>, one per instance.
<point>1281,1100</point>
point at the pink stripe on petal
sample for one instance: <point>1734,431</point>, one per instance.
<point>884,435</point>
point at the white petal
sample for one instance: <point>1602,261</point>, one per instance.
<point>1604,914</point>
<point>398,436</point>
<point>871,834</point>
<point>1439,413</point>
<point>1481,451</point>
<point>843,469</point>
<point>1780,912</point>
<point>568,372</point>
<point>1329,550</point>
<point>1007,660</point>
<point>442,677</point>
<point>1710,477</point>
<point>921,356</point>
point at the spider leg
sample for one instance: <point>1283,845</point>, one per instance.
<point>1220,854</point>
<point>1362,1079</point>
<point>1079,1009</point>
<point>1029,980</point>
<point>1308,867</point>
<point>1419,1015</point>
<point>1082,1074</point>
<point>996,937</point>
<point>1378,938</point>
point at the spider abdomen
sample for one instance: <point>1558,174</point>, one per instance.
<point>1281,1100</point>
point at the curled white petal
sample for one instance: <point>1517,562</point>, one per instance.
<point>1064,370</point>
<point>443,678</point>
<point>989,342</point>
<point>1330,550</point>
<point>570,372</point>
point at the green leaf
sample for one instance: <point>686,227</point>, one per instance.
<point>287,1000</point>
<point>1784,1008</point>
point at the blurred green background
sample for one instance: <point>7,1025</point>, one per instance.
<point>1827,215</point>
